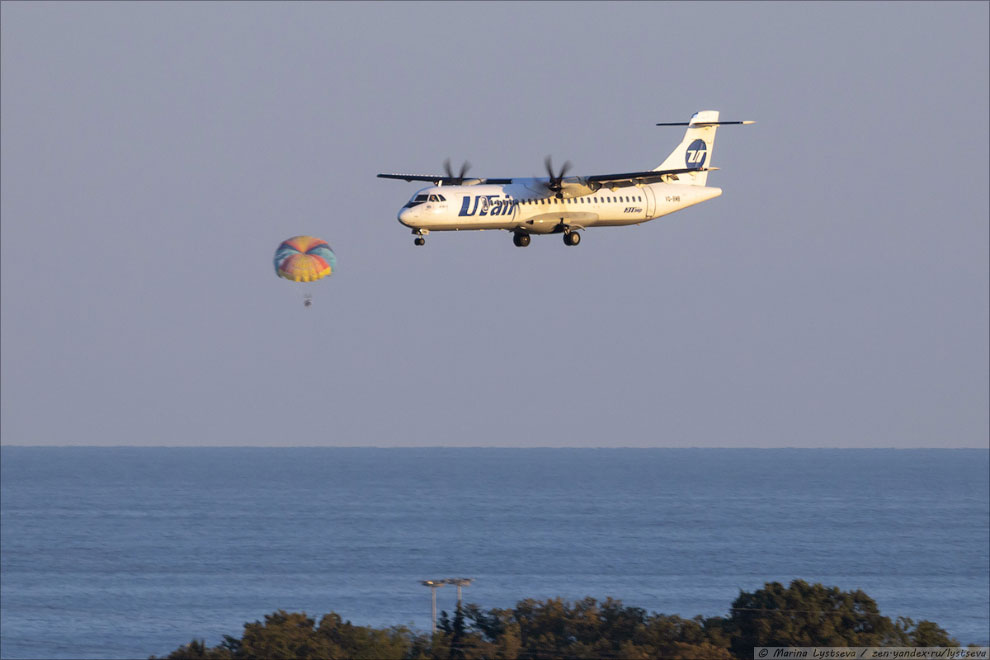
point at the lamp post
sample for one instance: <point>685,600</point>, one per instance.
<point>460,582</point>
<point>434,585</point>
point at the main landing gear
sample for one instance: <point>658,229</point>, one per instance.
<point>522,239</point>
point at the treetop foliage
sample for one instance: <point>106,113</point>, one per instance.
<point>801,614</point>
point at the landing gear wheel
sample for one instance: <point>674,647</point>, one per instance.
<point>572,238</point>
<point>419,240</point>
<point>520,239</point>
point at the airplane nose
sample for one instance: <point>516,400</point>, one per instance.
<point>407,216</point>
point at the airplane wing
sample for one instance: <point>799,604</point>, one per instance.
<point>442,179</point>
<point>578,186</point>
<point>648,176</point>
<point>574,186</point>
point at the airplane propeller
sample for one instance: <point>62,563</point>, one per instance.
<point>458,179</point>
<point>556,181</point>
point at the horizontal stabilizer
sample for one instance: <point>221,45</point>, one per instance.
<point>700,124</point>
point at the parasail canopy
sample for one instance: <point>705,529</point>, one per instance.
<point>304,259</point>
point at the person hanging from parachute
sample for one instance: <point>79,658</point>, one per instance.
<point>305,259</point>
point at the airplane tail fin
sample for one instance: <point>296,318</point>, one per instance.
<point>695,150</point>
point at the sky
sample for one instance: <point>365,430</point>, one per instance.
<point>154,155</point>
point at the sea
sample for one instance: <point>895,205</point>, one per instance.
<point>122,552</point>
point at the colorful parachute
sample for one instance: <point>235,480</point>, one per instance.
<point>304,259</point>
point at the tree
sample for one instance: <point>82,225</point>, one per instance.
<point>345,640</point>
<point>498,629</point>
<point>806,615</point>
<point>283,636</point>
<point>197,650</point>
<point>801,614</point>
<point>923,633</point>
<point>670,636</point>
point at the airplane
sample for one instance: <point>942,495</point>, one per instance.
<point>561,204</point>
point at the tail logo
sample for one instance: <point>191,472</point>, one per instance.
<point>695,155</point>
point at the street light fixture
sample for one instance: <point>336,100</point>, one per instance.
<point>434,585</point>
<point>460,582</point>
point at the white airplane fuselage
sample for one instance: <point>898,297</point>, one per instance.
<point>525,206</point>
<point>561,204</point>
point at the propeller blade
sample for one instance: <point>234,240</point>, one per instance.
<point>450,171</point>
<point>556,183</point>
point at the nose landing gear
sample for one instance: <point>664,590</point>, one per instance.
<point>420,235</point>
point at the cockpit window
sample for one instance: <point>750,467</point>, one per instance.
<point>418,199</point>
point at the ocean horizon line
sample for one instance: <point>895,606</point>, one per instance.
<point>495,447</point>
